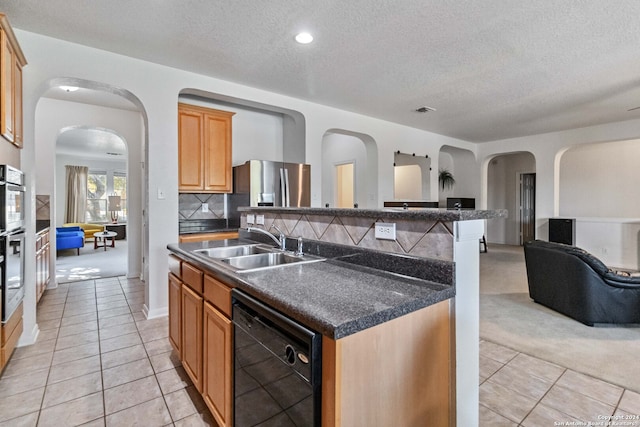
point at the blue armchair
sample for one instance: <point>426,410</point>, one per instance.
<point>69,238</point>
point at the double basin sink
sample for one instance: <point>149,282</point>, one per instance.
<point>254,257</point>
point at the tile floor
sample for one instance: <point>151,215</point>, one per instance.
<point>520,390</point>
<point>99,362</point>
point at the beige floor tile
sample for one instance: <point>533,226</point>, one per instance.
<point>173,380</point>
<point>496,352</point>
<point>152,413</point>
<point>592,387</point>
<point>75,340</point>
<point>20,404</point>
<point>40,347</point>
<point>28,420</point>
<point>522,382</point>
<point>76,353</point>
<point>78,299</point>
<point>180,404</point>
<point>116,320</point>
<point>145,324</point>
<point>52,315</point>
<point>153,334</point>
<point>131,394</point>
<point>98,422</point>
<point>546,416</point>
<point>537,367</point>
<point>138,315</point>
<point>49,324</point>
<point>158,346</point>
<point>65,391</point>
<point>118,330</point>
<point>78,311</point>
<point>112,305</point>
<point>122,356</point>
<point>630,402</point>
<point>26,365</point>
<point>488,418</point>
<point>73,369</point>
<point>49,308</point>
<point>197,420</point>
<point>82,318</point>
<point>163,361</point>
<point>488,366</point>
<point>78,328</point>
<point>24,382</point>
<point>73,413</point>
<point>49,334</point>
<point>116,343</point>
<point>113,312</point>
<point>575,404</point>
<point>128,372</point>
<point>505,402</point>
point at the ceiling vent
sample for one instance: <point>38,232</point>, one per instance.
<point>425,109</point>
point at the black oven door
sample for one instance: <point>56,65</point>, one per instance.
<point>12,273</point>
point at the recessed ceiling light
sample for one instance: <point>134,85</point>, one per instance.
<point>304,38</point>
<point>69,88</point>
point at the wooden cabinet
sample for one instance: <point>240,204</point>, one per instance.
<point>200,330</point>
<point>204,150</point>
<point>9,334</point>
<point>218,367</point>
<point>43,252</point>
<point>192,335</point>
<point>11,62</point>
<point>202,237</point>
<point>175,313</point>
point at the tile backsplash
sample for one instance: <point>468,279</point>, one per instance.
<point>190,206</point>
<point>43,207</point>
<point>423,238</point>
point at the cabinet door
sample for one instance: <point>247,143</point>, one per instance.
<point>190,158</point>
<point>217,152</point>
<point>217,364</point>
<point>192,335</point>
<point>175,313</point>
<point>17,104</point>
<point>7,66</point>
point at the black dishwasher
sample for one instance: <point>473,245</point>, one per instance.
<point>277,367</point>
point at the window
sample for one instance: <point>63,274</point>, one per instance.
<point>100,185</point>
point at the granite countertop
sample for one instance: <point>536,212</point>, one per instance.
<point>389,213</point>
<point>342,295</point>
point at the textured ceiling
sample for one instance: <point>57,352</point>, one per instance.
<point>492,69</point>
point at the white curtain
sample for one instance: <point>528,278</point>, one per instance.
<point>76,205</point>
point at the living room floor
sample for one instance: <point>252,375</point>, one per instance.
<point>99,362</point>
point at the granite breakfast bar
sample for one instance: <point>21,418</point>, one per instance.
<point>367,291</point>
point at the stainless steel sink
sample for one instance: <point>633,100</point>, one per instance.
<point>233,251</point>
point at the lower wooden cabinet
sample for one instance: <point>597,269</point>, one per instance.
<point>175,313</point>
<point>9,334</point>
<point>218,368</point>
<point>192,335</point>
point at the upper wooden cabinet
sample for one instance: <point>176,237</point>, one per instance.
<point>204,150</point>
<point>11,62</point>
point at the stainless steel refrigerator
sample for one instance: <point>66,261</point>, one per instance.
<point>271,183</point>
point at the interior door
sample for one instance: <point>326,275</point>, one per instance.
<point>527,207</point>
<point>345,185</point>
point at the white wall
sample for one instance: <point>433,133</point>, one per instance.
<point>156,88</point>
<point>255,134</point>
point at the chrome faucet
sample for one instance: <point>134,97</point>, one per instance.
<point>299,252</point>
<point>281,240</point>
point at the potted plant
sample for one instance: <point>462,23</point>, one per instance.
<point>446,180</point>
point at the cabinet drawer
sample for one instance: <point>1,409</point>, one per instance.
<point>175,266</point>
<point>192,277</point>
<point>12,323</point>
<point>218,294</point>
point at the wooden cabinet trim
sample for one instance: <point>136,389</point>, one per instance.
<point>191,330</point>
<point>218,294</point>
<point>192,277</point>
<point>203,237</point>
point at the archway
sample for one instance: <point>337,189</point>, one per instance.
<point>341,147</point>
<point>462,165</point>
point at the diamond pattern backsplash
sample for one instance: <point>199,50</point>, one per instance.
<point>429,239</point>
<point>190,206</point>
<point>43,207</point>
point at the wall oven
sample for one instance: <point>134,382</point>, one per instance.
<point>12,192</point>
<point>12,218</point>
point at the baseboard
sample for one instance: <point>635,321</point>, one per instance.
<point>153,314</point>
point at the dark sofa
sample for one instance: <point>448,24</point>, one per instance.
<point>573,282</point>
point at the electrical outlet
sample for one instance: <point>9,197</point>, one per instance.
<point>386,230</point>
<point>260,219</point>
<point>251,218</point>
<point>205,207</point>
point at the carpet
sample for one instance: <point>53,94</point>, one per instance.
<point>510,318</point>
<point>91,263</point>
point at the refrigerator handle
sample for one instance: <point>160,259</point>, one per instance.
<point>283,188</point>
<point>287,187</point>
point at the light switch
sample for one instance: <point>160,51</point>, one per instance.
<point>161,195</point>
<point>260,219</point>
<point>251,218</point>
